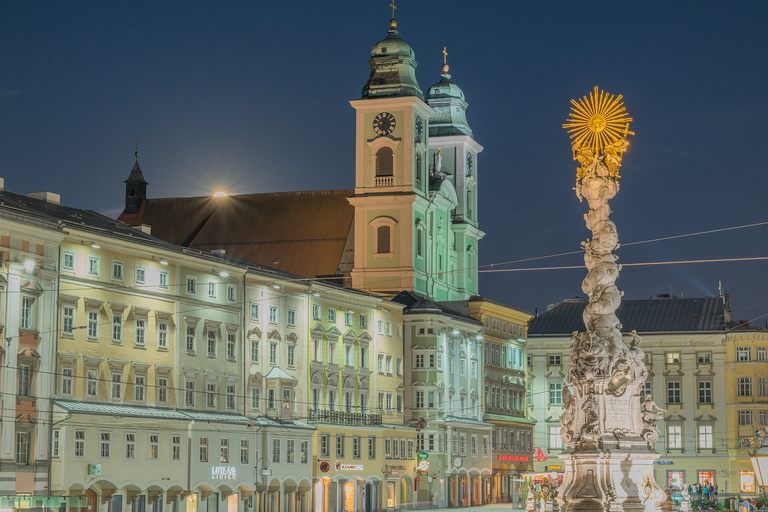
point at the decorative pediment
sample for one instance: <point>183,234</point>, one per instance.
<point>364,383</point>
<point>317,331</point>
<point>255,332</point>
<point>317,377</point>
<point>274,335</point>
<point>28,354</point>
<point>705,417</point>
<point>31,287</point>
<point>333,331</point>
<point>93,303</point>
<point>705,371</point>
<point>674,372</point>
<point>365,338</point>
<point>674,417</point>
<point>349,382</point>
<point>463,392</point>
<point>68,299</point>
<point>350,336</point>
<point>333,380</point>
<point>292,338</point>
<point>451,390</point>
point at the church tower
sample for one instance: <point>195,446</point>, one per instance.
<point>135,188</point>
<point>453,155</point>
<point>404,211</point>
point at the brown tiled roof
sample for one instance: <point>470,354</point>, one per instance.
<point>306,231</point>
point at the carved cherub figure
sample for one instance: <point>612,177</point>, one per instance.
<point>651,411</point>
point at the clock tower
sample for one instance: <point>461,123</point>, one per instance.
<point>404,234</point>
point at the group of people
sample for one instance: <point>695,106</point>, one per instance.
<point>705,491</point>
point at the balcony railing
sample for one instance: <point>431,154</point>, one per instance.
<point>344,418</point>
<point>384,181</point>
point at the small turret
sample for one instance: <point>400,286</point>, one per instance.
<point>135,187</point>
<point>393,68</point>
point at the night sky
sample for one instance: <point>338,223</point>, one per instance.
<point>254,97</point>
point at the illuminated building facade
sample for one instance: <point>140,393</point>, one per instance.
<point>684,345</point>
<point>746,395</point>
<point>504,371</point>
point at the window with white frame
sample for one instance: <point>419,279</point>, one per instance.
<point>66,380</point>
<point>130,445</point>
<point>189,392</point>
<point>210,394</point>
<point>224,450</point>
<point>191,285</point>
<point>273,314</point>
<point>117,386</point>
<point>705,436</point>
<point>762,354</point>
<point>762,386</point>
<point>674,392</point>
<point>213,289</point>
<point>93,324</point>
<point>68,260</point>
<point>140,332</point>
<point>212,342</point>
<point>276,450</point>
<point>162,335</point>
<point>162,389</point>
<point>290,446</point>
<point>28,317</point>
<point>190,344</point>
<point>348,318</point>
<point>79,443</point>
<point>316,311</point>
<point>175,447</point>
<point>744,386</point>
<point>231,345</point>
<point>164,279</point>
<point>141,274</point>
<point>231,293</point>
<point>68,320</point>
<point>254,311</point>
<point>55,443</point>
<point>273,352</point>
<point>304,452</point>
<point>255,398</point>
<point>380,363</point>
<point>332,315</point>
<point>555,441</point>
<point>203,445</point>
<point>139,387</point>
<point>743,354</point>
<point>91,382</point>
<point>363,321</point>
<point>291,356</point>
<point>473,370</point>
<point>555,393</point>
<point>117,328</point>
<point>674,436</point>
<point>745,418</point>
<point>93,265</point>
<point>154,446</point>
<point>230,397</point>
<point>380,327</point>
<point>291,317</point>
<point>705,391</point>
<point>244,451</point>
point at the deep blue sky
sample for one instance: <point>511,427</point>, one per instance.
<point>253,97</point>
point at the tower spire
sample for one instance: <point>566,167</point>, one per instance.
<point>445,60</point>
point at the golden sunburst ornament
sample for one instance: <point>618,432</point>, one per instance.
<point>597,121</point>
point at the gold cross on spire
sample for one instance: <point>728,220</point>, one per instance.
<point>445,55</point>
<point>392,5</point>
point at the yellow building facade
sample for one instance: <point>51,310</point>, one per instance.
<point>746,395</point>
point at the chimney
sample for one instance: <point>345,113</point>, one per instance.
<point>2,183</point>
<point>48,197</point>
<point>727,309</point>
<point>144,228</point>
<point>219,252</point>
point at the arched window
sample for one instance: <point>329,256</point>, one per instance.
<point>383,240</point>
<point>384,162</point>
<point>418,167</point>
<point>469,203</point>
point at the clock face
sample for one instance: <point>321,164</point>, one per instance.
<point>384,123</point>
<point>419,128</point>
<point>469,163</point>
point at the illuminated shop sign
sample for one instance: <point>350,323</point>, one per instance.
<point>747,481</point>
<point>513,458</point>
<point>224,473</point>
<point>348,467</point>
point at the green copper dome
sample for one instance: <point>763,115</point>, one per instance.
<point>447,99</point>
<point>393,68</point>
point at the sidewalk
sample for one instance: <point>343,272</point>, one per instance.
<point>493,507</point>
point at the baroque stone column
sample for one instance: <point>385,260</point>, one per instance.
<point>608,433</point>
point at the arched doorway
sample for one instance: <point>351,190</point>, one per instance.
<point>368,497</point>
